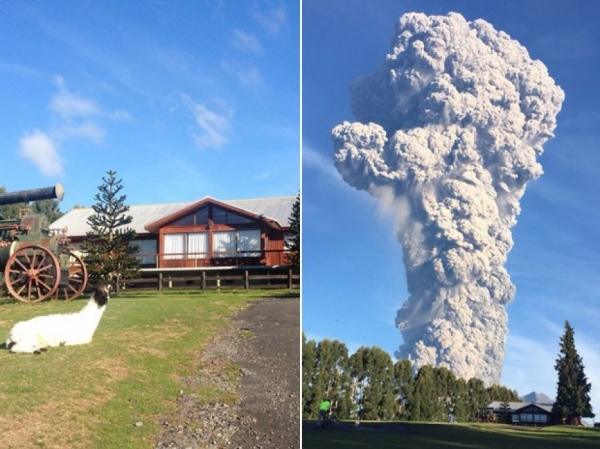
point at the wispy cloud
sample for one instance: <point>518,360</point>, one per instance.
<point>214,125</point>
<point>73,116</point>
<point>247,74</point>
<point>274,21</point>
<point>69,105</point>
<point>246,42</point>
<point>40,149</point>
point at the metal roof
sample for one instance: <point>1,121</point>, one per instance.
<point>277,208</point>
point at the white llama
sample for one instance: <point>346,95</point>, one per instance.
<point>37,334</point>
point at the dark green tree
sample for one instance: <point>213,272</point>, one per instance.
<point>573,391</point>
<point>403,384</point>
<point>372,374</point>
<point>292,242</point>
<point>109,251</point>
<point>478,398</point>
<point>460,401</point>
<point>309,363</point>
<point>331,378</point>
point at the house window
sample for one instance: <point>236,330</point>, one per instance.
<point>222,216</point>
<point>192,245</point>
<point>242,243</point>
<point>197,245</point>
<point>147,250</point>
<point>174,244</point>
<point>249,243</point>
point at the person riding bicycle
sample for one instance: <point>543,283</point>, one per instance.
<point>324,409</point>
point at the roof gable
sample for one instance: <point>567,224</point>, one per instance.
<point>203,204</point>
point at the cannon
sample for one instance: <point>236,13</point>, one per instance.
<point>37,263</point>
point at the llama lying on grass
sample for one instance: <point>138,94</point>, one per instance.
<point>37,334</point>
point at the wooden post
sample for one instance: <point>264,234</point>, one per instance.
<point>246,280</point>
<point>160,281</point>
<point>290,279</point>
<point>203,280</point>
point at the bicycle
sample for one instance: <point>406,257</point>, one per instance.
<point>331,421</point>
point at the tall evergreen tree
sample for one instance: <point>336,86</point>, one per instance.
<point>292,243</point>
<point>573,391</point>
<point>108,249</point>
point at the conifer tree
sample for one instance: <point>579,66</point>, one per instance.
<point>573,391</point>
<point>292,243</point>
<point>108,249</point>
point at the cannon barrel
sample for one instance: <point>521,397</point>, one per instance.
<point>25,196</point>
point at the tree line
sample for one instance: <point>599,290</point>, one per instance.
<point>368,385</point>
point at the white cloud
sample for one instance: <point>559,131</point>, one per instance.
<point>69,105</point>
<point>87,131</point>
<point>246,42</point>
<point>214,126</point>
<point>273,21</point>
<point>39,148</point>
<point>247,74</point>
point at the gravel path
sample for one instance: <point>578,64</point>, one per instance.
<point>264,340</point>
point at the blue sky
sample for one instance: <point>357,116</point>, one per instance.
<point>353,275</point>
<point>183,99</point>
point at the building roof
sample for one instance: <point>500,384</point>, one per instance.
<point>277,209</point>
<point>540,400</point>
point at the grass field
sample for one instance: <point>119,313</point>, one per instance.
<point>91,396</point>
<point>432,436</point>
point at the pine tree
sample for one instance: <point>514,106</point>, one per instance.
<point>108,249</point>
<point>292,243</point>
<point>573,392</point>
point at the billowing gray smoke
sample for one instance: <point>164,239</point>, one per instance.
<point>450,126</point>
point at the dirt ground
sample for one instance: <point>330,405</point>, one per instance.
<point>264,340</point>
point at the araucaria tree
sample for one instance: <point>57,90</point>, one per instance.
<point>573,393</point>
<point>292,243</point>
<point>108,249</point>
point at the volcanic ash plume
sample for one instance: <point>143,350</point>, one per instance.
<point>451,124</point>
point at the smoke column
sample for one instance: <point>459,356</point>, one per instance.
<point>448,131</point>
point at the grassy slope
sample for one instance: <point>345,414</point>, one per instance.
<point>91,396</point>
<point>468,436</point>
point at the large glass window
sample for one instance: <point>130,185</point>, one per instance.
<point>147,250</point>
<point>224,244</point>
<point>197,247</point>
<point>193,245</point>
<point>174,244</point>
<point>249,243</point>
<point>222,216</point>
<point>243,243</point>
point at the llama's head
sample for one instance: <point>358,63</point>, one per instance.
<point>101,293</point>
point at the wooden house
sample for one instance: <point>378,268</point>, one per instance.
<point>534,410</point>
<point>206,233</point>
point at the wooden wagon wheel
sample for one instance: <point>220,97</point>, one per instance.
<point>77,279</point>
<point>32,273</point>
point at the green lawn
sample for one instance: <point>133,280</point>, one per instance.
<point>91,396</point>
<point>456,436</point>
